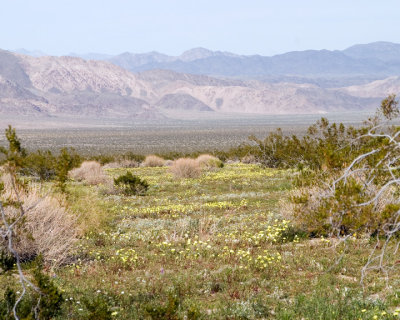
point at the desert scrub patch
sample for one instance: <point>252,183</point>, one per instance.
<point>208,161</point>
<point>48,228</point>
<point>90,172</point>
<point>129,185</point>
<point>185,168</point>
<point>153,161</point>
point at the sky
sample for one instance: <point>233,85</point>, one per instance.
<point>265,27</point>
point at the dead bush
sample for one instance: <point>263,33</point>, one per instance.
<point>125,163</point>
<point>208,161</point>
<point>47,228</point>
<point>168,163</point>
<point>185,168</point>
<point>153,161</point>
<point>249,159</point>
<point>90,172</point>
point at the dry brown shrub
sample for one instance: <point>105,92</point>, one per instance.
<point>90,172</point>
<point>249,159</point>
<point>208,161</point>
<point>124,163</point>
<point>112,165</point>
<point>185,168</point>
<point>153,161</point>
<point>47,229</point>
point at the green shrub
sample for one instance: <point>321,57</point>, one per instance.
<point>167,311</point>
<point>131,185</point>
<point>353,188</point>
<point>66,160</point>
<point>98,309</point>
<point>51,298</point>
<point>46,303</point>
<point>7,261</point>
<point>40,164</point>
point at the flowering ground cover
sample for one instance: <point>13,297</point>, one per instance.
<point>215,247</point>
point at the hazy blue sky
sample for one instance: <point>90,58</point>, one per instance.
<point>171,26</point>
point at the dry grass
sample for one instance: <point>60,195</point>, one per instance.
<point>208,161</point>
<point>185,168</point>
<point>153,161</point>
<point>90,172</point>
<point>47,229</point>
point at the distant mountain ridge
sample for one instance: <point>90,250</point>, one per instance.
<point>378,59</point>
<point>374,60</point>
<point>385,51</point>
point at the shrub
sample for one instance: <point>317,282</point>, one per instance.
<point>355,192</point>
<point>208,161</point>
<point>131,185</point>
<point>47,229</point>
<point>169,163</point>
<point>98,309</point>
<point>168,311</point>
<point>249,159</point>
<point>40,164</point>
<point>123,163</point>
<point>185,168</point>
<point>90,172</point>
<point>322,211</point>
<point>153,161</point>
<point>66,160</point>
<point>44,303</point>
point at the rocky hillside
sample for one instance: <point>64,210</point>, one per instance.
<point>376,89</point>
<point>70,86</point>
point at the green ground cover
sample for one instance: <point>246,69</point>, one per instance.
<point>215,247</point>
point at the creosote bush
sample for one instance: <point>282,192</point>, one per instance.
<point>90,172</point>
<point>153,161</point>
<point>185,168</point>
<point>129,184</point>
<point>321,210</point>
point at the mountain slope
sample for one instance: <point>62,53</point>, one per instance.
<point>376,89</point>
<point>70,86</point>
<point>183,102</point>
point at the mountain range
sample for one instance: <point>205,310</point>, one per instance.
<point>376,60</point>
<point>362,62</point>
<point>149,86</point>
